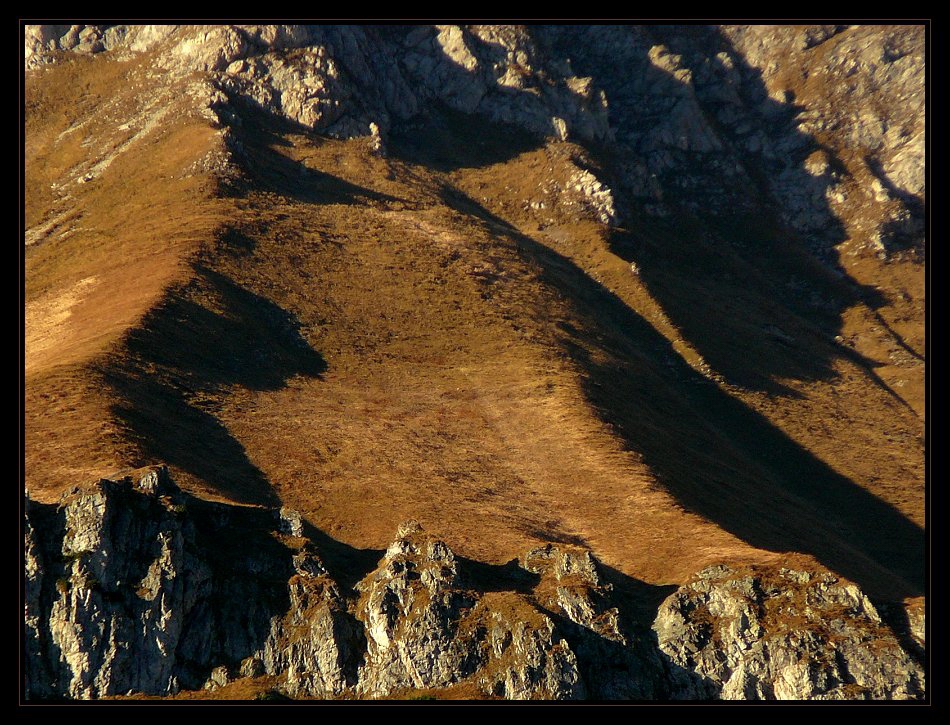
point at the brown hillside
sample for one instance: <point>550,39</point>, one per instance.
<point>368,339</point>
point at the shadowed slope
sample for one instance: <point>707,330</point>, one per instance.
<point>379,338</point>
<point>719,457</point>
<point>200,341</point>
<point>119,191</point>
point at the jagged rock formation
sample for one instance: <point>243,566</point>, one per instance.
<point>412,606</point>
<point>114,589</point>
<point>124,596</point>
<point>426,629</point>
<point>318,644</point>
<point>786,634</point>
<point>338,80</point>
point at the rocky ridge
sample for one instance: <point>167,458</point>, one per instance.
<point>126,595</point>
<point>700,119</point>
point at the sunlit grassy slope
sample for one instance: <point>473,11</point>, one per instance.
<point>371,338</point>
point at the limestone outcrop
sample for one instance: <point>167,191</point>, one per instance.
<point>133,587</point>
<point>126,594</point>
<point>111,586</point>
<point>782,633</point>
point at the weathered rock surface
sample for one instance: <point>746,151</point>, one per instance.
<point>824,124</point>
<point>858,92</point>
<point>125,594</point>
<point>317,645</point>
<point>615,662</point>
<point>111,589</point>
<point>412,606</point>
<point>426,629</point>
<point>340,79</point>
<point>781,633</point>
<point>134,587</point>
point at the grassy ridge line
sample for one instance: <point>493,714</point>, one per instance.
<point>121,192</point>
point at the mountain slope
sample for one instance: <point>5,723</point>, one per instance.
<point>472,311</point>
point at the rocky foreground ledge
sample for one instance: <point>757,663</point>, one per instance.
<point>134,587</point>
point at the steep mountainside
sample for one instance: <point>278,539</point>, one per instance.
<point>644,302</point>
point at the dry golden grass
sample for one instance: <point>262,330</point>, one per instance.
<point>125,236</point>
<point>494,372</point>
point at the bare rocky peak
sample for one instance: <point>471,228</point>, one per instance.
<point>783,633</point>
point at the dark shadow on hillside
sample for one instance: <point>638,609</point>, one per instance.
<point>715,455</point>
<point>432,140</point>
<point>633,667</point>
<point>236,243</point>
<point>257,144</point>
<point>345,564</point>
<point>216,333</point>
<point>202,339</point>
<point>508,577</point>
<point>901,234</point>
<point>638,601</point>
<point>760,300</point>
<point>896,617</point>
<point>167,427</point>
<point>750,324</point>
<point>550,533</point>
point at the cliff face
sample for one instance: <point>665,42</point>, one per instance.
<point>124,597</point>
<point>655,291</point>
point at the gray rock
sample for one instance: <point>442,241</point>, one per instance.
<point>704,118</point>
<point>426,629</point>
<point>125,587</point>
<point>781,634</point>
<point>527,659</point>
<point>127,591</point>
<point>316,645</point>
<point>411,607</point>
<point>614,663</point>
<point>290,522</point>
<point>219,678</point>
